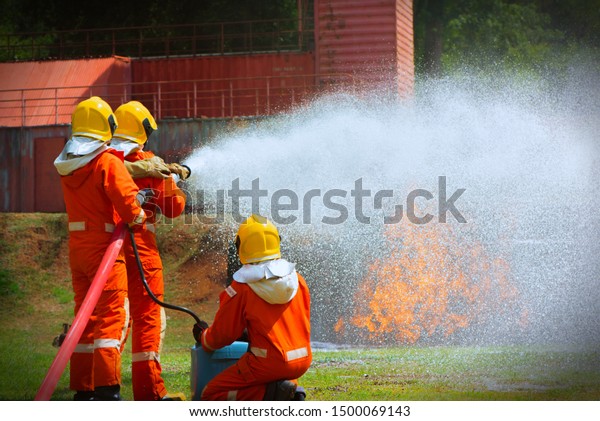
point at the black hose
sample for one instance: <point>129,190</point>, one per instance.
<point>150,293</point>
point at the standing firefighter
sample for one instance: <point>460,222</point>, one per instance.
<point>271,301</point>
<point>148,318</point>
<point>98,193</point>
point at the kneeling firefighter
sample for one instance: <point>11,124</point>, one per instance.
<point>148,320</point>
<point>270,302</point>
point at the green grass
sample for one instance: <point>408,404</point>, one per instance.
<point>455,373</point>
<point>37,299</point>
<point>390,374</point>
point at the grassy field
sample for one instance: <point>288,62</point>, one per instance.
<point>35,300</point>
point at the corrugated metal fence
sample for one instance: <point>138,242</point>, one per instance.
<point>29,182</point>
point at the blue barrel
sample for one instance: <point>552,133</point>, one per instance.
<point>206,365</point>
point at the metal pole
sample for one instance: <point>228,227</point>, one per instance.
<point>23,118</point>
<point>159,102</point>
<point>268,96</point>
<point>56,106</point>
<point>195,99</point>
<point>230,99</point>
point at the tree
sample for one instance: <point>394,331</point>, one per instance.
<point>488,35</point>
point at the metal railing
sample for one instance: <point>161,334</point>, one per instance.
<point>201,98</point>
<point>161,40</point>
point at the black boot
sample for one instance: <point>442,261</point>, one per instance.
<point>300,394</point>
<point>282,390</point>
<point>108,393</point>
<point>84,395</point>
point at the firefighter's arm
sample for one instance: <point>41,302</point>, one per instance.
<point>229,322</point>
<point>122,191</point>
<point>153,167</point>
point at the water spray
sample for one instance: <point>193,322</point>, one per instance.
<point>524,153</point>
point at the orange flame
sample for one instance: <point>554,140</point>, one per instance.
<point>431,284</point>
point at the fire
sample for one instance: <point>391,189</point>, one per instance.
<point>431,284</point>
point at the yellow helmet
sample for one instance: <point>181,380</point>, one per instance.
<point>257,240</point>
<point>93,118</point>
<point>135,122</point>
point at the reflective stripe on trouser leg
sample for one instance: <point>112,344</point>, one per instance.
<point>110,325</point>
<point>236,382</point>
<point>146,370</point>
<point>127,326</point>
<point>249,377</point>
<point>106,322</point>
<point>148,330</point>
<point>81,368</point>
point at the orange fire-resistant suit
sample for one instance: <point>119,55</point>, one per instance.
<point>97,196</point>
<point>278,332</point>
<point>148,317</point>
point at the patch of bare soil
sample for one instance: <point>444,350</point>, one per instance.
<point>34,251</point>
<point>34,258</point>
<point>198,282</point>
<point>195,258</point>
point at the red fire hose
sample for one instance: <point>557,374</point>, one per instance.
<point>83,315</point>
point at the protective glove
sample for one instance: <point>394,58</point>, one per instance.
<point>183,171</point>
<point>198,329</point>
<point>153,167</point>
<point>144,195</point>
<point>136,224</point>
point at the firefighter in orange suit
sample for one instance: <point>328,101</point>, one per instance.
<point>98,193</point>
<point>148,317</point>
<point>271,301</point>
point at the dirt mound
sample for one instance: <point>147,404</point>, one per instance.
<point>34,264</point>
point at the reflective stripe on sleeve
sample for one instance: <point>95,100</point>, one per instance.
<point>295,354</point>
<point>230,291</point>
<point>77,226</point>
<point>204,341</point>
<point>258,352</point>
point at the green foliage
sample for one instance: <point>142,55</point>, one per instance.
<point>535,36</point>
<point>482,35</point>
<point>503,33</point>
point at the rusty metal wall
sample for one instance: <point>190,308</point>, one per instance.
<point>369,39</point>
<point>405,47</point>
<point>223,86</point>
<point>366,43</point>
<point>29,182</point>
<point>41,93</point>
